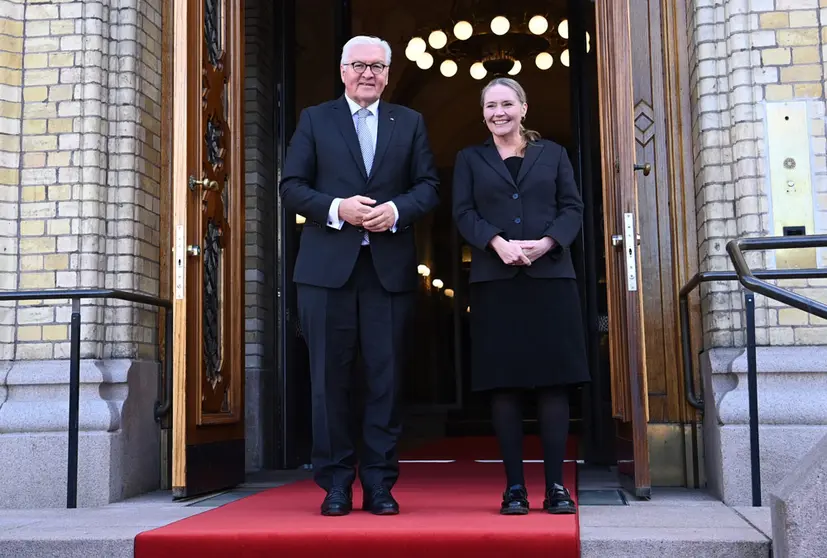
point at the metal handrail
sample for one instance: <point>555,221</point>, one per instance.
<point>736,249</point>
<point>754,282</point>
<point>692,398</point>
<point>76,295</point>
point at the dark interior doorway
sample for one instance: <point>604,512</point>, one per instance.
<point>562,107</point>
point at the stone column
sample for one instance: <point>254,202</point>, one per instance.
<point>746,55</point>
<point>87,216</point>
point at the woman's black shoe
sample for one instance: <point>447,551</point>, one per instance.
<point>558,501</point>
<point>515,501</point>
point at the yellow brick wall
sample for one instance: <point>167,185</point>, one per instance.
<point>799,30</point>
<point>79,172</point>
<point>745,55</point>
<point>11,110</point>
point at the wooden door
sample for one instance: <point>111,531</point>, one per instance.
<point>208,246</point>
<point>621,223</point>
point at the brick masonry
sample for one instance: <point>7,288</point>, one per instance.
<point>746,53</point>
<point>87,174</point>
<point>261,304</point>
<point>11,110</point>
<point>80,170</point>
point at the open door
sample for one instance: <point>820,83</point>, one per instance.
<point>208,246</point>
<point>626,333</point>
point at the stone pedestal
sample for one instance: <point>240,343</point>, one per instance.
<point>119,443</point>
<point>792,389</point>
<point>799,508</point>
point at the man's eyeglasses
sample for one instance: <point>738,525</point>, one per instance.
<point>360,67</point>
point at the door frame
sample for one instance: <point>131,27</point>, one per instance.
<point>684,248</point>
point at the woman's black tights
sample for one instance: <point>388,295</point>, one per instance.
<point>507,413</point>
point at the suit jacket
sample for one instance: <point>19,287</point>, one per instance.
<point>324,162</point>
<point>543,201</point>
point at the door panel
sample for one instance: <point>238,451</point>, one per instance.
<point>208,246</point>
<point>626,331</point>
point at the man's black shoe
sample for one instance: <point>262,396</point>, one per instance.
<point>378,501</point>
<point>339,501</point>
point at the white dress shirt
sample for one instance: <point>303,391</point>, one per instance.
<point>372,122</point>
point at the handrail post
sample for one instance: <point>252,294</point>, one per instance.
<point>74,403</point>
<point>752,383</point>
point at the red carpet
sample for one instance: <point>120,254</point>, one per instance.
<point>447,510</point>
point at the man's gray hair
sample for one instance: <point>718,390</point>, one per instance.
<point>365,40</point>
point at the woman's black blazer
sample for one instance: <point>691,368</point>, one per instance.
<point>543,201</point>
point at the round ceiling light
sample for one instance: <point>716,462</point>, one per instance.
<point>500,25</point>
<point>463,30</point>
<point>448,68</point>
<point>437,39</point>
<point>544,61</point>
<point>416,46</point>
<point>563,29</point>
<point>478,71</point>
<point>515,69</point>
<point>538,25</point>
<point>425,60</point>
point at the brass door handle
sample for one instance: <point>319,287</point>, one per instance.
<point>205,182</point>
<point>646,168</point>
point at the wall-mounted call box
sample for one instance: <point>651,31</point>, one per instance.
<point>790,173</point>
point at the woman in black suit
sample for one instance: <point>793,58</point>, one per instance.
<point>516,203</point>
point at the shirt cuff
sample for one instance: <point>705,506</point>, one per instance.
<point>333,220</point>
<point>395,216</point>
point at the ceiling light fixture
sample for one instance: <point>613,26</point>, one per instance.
<point>493,46</point>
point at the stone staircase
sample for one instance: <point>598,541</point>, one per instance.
<point>676,523</point>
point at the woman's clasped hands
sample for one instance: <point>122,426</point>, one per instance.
<point>521,252</point>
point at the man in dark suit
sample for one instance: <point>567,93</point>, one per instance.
<point>361,172</point>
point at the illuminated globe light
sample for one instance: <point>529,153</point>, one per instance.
<point>423,270</point>
<point>500,25</point>
<point>415,48</point>
<point>449,293</point>
<point>564,58</point>
<point>515,69</point>
<point>425,60</point>
<point>478,71</point>
<point>300,219</point>
<point>544,61</point>
<point>463,30</point>
<point>437,39</point>
<point>588,42</point>
<point>563,29</point>
<point>538,25</point>
<point>437,283</point>
<point>448,68</point>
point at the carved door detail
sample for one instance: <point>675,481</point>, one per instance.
<point>208,194</point>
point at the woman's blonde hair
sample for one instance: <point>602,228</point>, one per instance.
<point>529,136</point>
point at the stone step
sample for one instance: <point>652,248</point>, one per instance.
<point>675,523</point>
<point>664,530</point>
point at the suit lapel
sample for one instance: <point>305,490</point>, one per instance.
<point>532,152</point>
<point>344,121</point>
<point>492,157</point>
<point>384,134</point>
